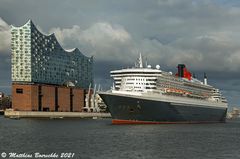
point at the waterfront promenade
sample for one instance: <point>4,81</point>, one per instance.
<point>10,113</point>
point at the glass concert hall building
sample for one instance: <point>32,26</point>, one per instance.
<point>45,77</point>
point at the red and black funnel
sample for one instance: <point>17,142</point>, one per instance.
<point>183,72</point>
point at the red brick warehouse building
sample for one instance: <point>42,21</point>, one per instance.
<point>45,77</point>
<point>41,97</point>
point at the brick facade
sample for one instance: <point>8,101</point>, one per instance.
<point>64,99</point>
<point>40,97</point>
<point>78,100</point>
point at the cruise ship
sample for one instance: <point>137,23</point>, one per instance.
<point>147,95</point>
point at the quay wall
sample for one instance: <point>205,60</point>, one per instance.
<point>9,113</point>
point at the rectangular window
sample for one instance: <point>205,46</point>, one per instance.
<point>19,90</point>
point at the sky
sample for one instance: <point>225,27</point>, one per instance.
<point>203,34</point>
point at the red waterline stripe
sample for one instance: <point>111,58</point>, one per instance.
<point>119,122</point>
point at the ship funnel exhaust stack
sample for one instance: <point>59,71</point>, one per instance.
<point>181,70</point>
<point>205,78</point>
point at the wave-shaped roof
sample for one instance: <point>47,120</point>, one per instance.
<point>52,35</point>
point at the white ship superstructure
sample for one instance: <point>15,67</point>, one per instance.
<point>154,80</point>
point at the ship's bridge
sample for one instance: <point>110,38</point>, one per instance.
<point>135,79</point>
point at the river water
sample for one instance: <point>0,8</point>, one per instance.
<point>99,139</point>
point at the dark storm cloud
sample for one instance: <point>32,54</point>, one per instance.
<point>202,34</point>
<point>5,73</point>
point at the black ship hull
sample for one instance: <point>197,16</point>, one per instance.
<point>132,110</point>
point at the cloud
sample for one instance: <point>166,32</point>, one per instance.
<point>66,34</point>
<point>208,52</point>
<point>169,32</point>
<point>211,52</point>
<point>105,31</point>
<point>103,40</point>
<point>5,36</point>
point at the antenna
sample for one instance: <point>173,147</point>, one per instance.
<point>146,62</point>
<point>140,61</point>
